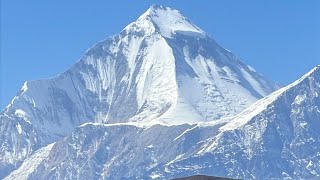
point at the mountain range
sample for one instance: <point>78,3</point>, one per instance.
<point>161,100</point>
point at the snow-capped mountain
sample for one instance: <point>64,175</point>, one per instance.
<point>275,138</point>
<point>160,69</point>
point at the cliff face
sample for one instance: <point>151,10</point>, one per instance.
<point>161,100</point>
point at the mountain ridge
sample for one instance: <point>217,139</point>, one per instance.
<point>269,144</point>
<point>161,76</point>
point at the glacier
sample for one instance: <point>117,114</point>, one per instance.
<point>161,99</point>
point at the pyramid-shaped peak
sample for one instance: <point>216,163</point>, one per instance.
<point>159,7</point>
<point>169,21</point>
<point>158,10</point>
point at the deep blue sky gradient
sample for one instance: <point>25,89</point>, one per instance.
<point>40,39</point>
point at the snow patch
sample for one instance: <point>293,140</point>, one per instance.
<point>20,113</point>
<point>155,175</point>
<point>30,164</point>
<point>251,68</point>
<point>19,129</point>
<point>150,146</point>
<point>299,99</point>
<point>24,87</point>
<point>170,21</point>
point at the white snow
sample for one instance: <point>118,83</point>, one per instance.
<point>150,146</point>
<point>24,87</point>
<point>149,81</point>
<point>175,159</point>
<point>20,113</point>
<point>184,133</point>
<point>256,85</point>
<point>155,176</point>
<point>19,129</point>
<point>299,99</point>
<point>142,77</point>
<point>251,68</point>
<point>27,167</point>
<point>257,107</point>
<point>169,21</point>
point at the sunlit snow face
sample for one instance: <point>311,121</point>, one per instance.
<point>167,21</point>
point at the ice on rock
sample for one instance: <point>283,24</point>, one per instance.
<point>20,113</point>
<point>161,81</point>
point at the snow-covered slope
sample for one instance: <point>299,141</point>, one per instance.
<point>159,69</point>
<point>96,151</point>
<point>276,138</point>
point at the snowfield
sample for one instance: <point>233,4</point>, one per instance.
<point>160,100</point>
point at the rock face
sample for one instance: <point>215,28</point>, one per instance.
<point>159,69</point>
<point>161,100</point>
<point>275,138</point>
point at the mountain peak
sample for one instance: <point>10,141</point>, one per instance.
<point>313,72</point>
<point>315,69</point>
<point>156,7</point>
<point>168,21</point>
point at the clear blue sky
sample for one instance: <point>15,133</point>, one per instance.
<point>40,39</point>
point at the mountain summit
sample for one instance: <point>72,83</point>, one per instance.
<point>157,69</point>
<point>160,69</point>
<point>167,22</point>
